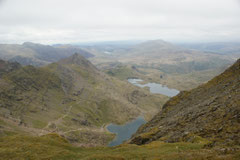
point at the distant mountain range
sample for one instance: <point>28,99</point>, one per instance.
<point>37,54</point>
<point>215,47</point>
<point>161,56</point>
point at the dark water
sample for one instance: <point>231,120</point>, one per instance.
<point>124,132</point>
<point>155,88</point>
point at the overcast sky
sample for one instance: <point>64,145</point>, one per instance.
<point>68,21</point>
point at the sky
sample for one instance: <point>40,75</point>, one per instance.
<point>73,21</point>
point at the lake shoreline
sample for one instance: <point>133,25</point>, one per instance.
<point>154,88</point>
<point>116,141</point>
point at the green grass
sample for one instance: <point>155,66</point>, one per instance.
<point>38,124</point>
<point>122,72</point>
<point>53,146</point>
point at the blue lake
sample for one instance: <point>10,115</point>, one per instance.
<point>155,88</point>
<point>124,132</point>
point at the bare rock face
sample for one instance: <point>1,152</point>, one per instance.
<point>134,96</point>
<point>210,111</point>
<point>6,67</point>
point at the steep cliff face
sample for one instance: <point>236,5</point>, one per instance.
<point>210,112</point>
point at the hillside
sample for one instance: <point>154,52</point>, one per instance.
<point>199,124</point>
<point>75,99</point>
<point>206,114</point>
<point>6,67</point>
<point>37,54</point>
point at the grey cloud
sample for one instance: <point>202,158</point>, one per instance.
<point>61,21</point>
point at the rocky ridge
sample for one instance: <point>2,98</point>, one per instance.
<point>210,112</point>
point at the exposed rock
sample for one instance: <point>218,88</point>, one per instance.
<point>210,111</point>
<point>133,97</point>
<point>6,67</point>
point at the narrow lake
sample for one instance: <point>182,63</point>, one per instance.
<point>155,87</point>
<point>124,132</point>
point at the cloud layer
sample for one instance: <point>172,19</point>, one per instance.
<point>67,21</point>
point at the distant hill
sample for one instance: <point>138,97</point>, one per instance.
<point>208,114</point>
<point>216,47</point>
<point>70,97</point>
<point>155,48</point>
<point>165,57</point>
<point>37,54</point>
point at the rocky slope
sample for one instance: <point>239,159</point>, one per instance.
<point>70,97</point>
<point>210,112</point>
<point>6,67</point>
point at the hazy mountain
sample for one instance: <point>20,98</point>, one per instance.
<point>109,43</point>
<point>216,47</point>
<point>37,54</point>
<point>209,113</point>
<point>165,63</point>
<point>155,48</point>
<point>166,57</point>
<point>159,49</point>
<point>70,97</point>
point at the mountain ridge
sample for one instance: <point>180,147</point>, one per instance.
<point>38,54</point>
<point>210,111</point>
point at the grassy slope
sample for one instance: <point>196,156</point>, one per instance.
<point>53,146</point>
<point>124,72</point>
